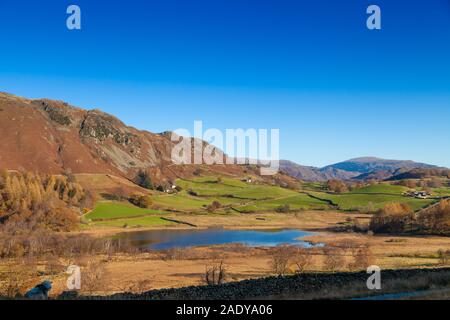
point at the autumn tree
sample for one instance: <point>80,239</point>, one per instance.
<point>336,186</point>
<point>409,183</point>
<point>435,183</point>
<point>140,200</point>
<point>31,201</point>
<point>279,259</point>
<point>436,219</point>
<point>393,218</point>
<point>215,205</point>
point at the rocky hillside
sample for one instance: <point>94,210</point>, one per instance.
<point>50,136</point>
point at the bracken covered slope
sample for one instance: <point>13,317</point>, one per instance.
<point>50,136</point>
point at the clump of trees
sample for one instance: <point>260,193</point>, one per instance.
<point>284,258</point>
<point>30,201</point>
<point>435,219</point>
<point>49,252</point>
<point>140,201</point>
<point>43,244</point>
<point>392,218</point>
<point>283,208</point>
<point>338,256</point>
<point>421,173</point>
<point>144,180</point>
<point>433,182</point>
<point>118,194</point>
<point>400,218</point>
<point>336,186</point>
<point>214,206</point>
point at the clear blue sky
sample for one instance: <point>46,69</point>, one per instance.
<point>310,68</point>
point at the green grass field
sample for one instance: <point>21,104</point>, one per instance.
<point>135,222</point>
<point>355,201</point>
<point>185,202</point>
<point>228,192</point>
<point>245,198</point>
<point>115,210</point>
<point>250,197</point>
<point>296,202</point>
<point>441,192</point>
<point>232,187</point>
<point>313,186</point>
<point>382,188</point>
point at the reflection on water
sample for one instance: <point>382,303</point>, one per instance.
<point>167,239</point>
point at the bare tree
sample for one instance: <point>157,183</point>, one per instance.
<point>444,257</point>
<point>302,259</point>
<point>215,274</point>
<point>93,277</point>
<point>279,260</point>
<point>334,258</point>
<point>362,258</point>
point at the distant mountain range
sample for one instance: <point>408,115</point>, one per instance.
<point>365,168</point>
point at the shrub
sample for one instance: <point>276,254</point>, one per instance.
<point>140,201</point>
<point>93,276</point>
<point>215,205</point>
<point>283,209</point>
<point>192,193</point>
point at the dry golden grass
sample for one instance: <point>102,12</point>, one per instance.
<point>179,268</point>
